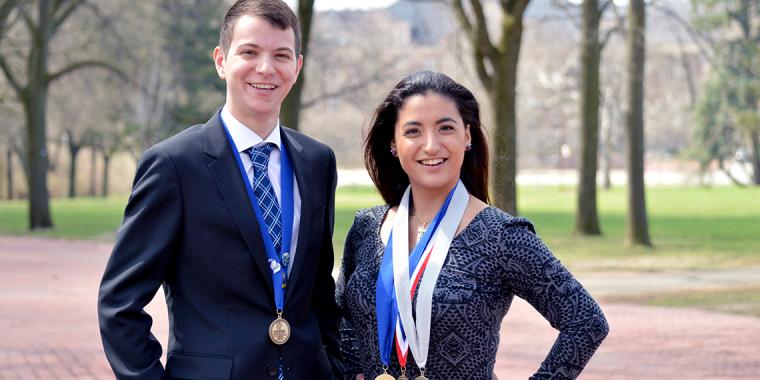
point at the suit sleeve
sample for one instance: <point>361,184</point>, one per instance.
<point>326,309</point>
<point>137,266</point>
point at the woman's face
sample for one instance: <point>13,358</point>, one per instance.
<point>430,138</point>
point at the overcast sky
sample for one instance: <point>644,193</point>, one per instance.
<point>347,4</point>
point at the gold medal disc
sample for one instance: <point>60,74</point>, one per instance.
<point>279,331</point>
<point>385,376</point>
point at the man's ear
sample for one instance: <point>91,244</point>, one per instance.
<point>299,63</point>
<point>218,56</point>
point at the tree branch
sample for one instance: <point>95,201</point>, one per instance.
<point>463,19</point>
<point>695,35</point>
<point>87,63</point>
<point>483,39</point>
<point>11,78</point>
<point>65,12</point>
<point>480,66</point>
<point>29,23</point>
<point>5,12</point>
<point>347,89</point>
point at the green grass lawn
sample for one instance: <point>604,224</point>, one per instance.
<point>690,227</point>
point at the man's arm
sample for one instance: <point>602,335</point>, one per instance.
<point>136,269</point>
<point>324,293</point>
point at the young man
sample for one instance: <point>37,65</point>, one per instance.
<point>234,218</point>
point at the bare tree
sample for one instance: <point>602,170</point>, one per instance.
<point>637,225</point>
<point>32,83</point>
<point>586,216</point>
<point>291,107</point>
<point>496,65</point>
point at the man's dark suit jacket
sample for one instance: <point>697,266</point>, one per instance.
<point>189,226</point>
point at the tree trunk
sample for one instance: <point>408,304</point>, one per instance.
<point>586,219</point>
<point>503,99</point>
<point>73,153</point>
<point>637,228</point>
<point>93,172</point>
<point>106,166</point>
<point>35,102</point>
<point>606,156</point>
<point>755,157</point>
<point>291,107</point>
<point>9,172</point>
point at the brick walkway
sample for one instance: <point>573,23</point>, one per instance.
<point>48,327</point>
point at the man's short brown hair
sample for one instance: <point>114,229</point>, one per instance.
<point>276,12</point>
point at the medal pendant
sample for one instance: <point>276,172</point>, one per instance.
<point>421,377</point>
<point>402,377</point>
<point>385,376</point>
<point>279,330</point>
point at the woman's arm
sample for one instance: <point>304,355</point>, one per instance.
<point>534,274</point>
<point>348,342</point>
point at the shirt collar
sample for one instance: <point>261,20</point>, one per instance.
<point>245,138</point>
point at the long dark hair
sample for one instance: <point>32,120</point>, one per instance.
<point>385,169</point>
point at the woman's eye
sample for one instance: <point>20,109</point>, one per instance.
<point>411,132</point>
<point>447,128</point>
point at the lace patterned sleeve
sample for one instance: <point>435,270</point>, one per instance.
<point>348,342</point>
<point>535,275</point>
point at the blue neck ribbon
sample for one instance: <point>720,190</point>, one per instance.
<point>385,295</point>
<point>286,215</point>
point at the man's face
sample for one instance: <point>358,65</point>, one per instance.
<point>260,68</point>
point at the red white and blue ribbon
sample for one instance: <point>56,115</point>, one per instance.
<point>396,287</point>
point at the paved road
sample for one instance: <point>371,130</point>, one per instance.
<point>48,325</point>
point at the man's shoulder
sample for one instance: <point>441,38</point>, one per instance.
<point>185,141</point>
<point>308,143</point>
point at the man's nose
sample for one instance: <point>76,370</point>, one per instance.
<point>265,66</point>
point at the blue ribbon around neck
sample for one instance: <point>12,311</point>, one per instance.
<point>286,215</point>
<point>385,295</point>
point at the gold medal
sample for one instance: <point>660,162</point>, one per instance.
<point>279,330</point>
<point>385,376</point>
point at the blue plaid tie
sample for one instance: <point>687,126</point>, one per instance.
<point>264,191</point>
<point>270,208</point>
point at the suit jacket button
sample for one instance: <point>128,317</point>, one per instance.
<point>272,371</point>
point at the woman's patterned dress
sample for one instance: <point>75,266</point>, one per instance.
<point>494,258</point>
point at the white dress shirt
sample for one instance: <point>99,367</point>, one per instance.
<point>245,138</point>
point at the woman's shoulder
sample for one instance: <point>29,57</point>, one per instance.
<point>500,220</point>
<point>371,215</point>
<point>368,219</point>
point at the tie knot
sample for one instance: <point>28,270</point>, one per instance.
<point>260,156</point>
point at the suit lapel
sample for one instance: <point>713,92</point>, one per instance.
<point>224,170</point>
<point>299,159</point>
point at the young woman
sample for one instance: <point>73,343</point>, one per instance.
<point>427,279</point>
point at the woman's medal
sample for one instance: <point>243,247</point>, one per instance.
<point>428,258</point>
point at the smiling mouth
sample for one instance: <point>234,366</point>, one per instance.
<point>432,162</point>
<point>263,86</point>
